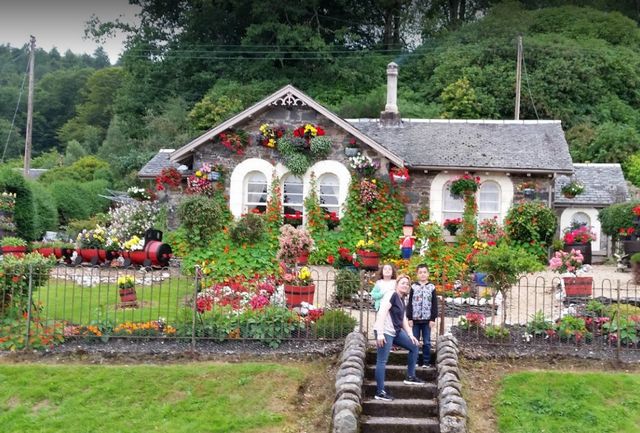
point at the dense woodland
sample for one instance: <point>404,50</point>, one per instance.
<point>96,124</point>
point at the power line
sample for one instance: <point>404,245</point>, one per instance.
<point>6,144</point>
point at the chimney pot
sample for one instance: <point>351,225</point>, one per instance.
<point>391,116</point>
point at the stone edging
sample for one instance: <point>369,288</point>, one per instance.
<point>453,408</point>
<point>349,378</point>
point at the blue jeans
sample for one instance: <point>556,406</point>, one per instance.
<point>403,340</point>
<point>425,329</point>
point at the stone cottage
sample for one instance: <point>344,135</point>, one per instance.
<point>515,160</point>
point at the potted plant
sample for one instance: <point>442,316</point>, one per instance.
<point>169,178</point>
<point>452,225</point>
<point>352,148</point>
<point>298,286</point>
<point>295,244</point>
<point>63,250</point>
<point>464,184</point>
<point>127,291</point>
<point>269,135</point>
<point>13,246</point>
<point>364,165</point>
<point>133,251</point>
<point>567,264</point>
<point>368,252</point>
<point>293,219</point>
<point>45,249</point>
<point>572,189</point>
<point>399,175</point>
<point>579,237</point>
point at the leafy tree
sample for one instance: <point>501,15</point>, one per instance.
<point>459,100</point>
<point>633,169</point>
<point>74,152</point>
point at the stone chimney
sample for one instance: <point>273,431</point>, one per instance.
<point>391,116</point>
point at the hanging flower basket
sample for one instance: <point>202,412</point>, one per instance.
<point>572,189</point>
<point>464,184</point>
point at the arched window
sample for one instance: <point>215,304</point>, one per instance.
<point>292,195</point>
<point>255,192</point>
<point>488,200</point>
<point>329,192</point>
<point>452,207</point>
<point>580,219</point>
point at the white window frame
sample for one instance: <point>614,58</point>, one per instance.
<point>249,204</point>
<point>237,181</point>
<point>484,214</point>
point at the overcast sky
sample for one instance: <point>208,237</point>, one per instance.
<point>61,23</point>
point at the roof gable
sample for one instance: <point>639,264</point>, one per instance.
<point>287,96</point>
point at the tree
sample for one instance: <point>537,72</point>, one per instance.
<point>459,100</point>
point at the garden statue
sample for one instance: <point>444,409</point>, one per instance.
<point>407,241</point>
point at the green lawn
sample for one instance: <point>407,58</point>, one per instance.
<point>202,397</point>
<point>67,300</point>
<point>559,402</point>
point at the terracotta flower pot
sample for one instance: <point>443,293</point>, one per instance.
<point>370,260</point>
<point>578,286</point>
<point>296,295</point>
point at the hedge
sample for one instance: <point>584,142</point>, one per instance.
<point>46,211</point>
<point>11,180</point>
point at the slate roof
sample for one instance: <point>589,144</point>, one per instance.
<point>157,163</point>
<point>523,146</point>
<point>604,185</point>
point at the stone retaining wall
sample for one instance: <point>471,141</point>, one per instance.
<point>348,403</point>
<point>453,408</point>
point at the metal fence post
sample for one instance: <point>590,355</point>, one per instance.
<point>618,342</point>
<point>30,298</point>
<point>196,288</point>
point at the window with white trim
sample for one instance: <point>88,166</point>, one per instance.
<point>452,207</point>
<point>256,191</point>
<point>488,200</point>
<point>580,219</point>
<point>292,194</point>
<point>329,193</point>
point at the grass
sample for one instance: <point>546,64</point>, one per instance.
<point>559,402</point>
<point>67,300</point>
<point>201,397</point>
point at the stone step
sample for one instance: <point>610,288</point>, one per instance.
<point>398,357</point>
<point>399,389</point>
<point>399,425</point>
<point>405,408</point>
<point>398,372</point>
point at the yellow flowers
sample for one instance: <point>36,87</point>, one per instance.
<point>199,173</point>
<point>133,244</point>
<point>477,245</point>
<point>145,328</point>
<point>309,128</point>
<point>126,282</point>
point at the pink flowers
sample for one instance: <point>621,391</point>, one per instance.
<point>563,262</point>
<point>581,235</point>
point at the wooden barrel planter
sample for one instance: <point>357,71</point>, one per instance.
<point>128,297</point>
<point>155,253</point>
<point>14,251</point>
<point>370,260</point>
<point>578,286</point>
<point>296,295</point>
<point>585,249</point>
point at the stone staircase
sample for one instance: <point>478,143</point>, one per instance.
<point>415,407</point>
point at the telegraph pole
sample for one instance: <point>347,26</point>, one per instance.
<point>518,78</point>
<point>27,143</point>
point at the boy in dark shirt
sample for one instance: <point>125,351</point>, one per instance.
<point>422,311</point>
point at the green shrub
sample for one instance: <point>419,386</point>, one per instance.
<point>496,332</point>
<point>334,324</point>
<point>635,258</point>
<point>531,225</point>
<point>617,216</point>
<point>621,310</point>
<point>13,267</point>
<point>203,216</point>
<point>538,325</point>
<point>249,229</point>
<point>77,200</point>
<point>269,325</point>
<point>12,241</point>
<point>24,212</point>
<point>347,283</point>
<point>46,212</point>
<point>85,169</point>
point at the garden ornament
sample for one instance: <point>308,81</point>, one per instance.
<point>408,241</point>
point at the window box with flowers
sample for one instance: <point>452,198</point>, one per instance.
<point>13,246</point>
<point>399,175</point>
<point>572,189</point>
<point>452,225</point>
<point>567,264</point>
<point>579,238</point>
<point>298,287</point>
<point>302,147</point>
<point>364,165</point>
<point>464,184</point>
<point>293,219</point>
<point>351,149</point>
<point>269,135</point>
<point>127,291</point>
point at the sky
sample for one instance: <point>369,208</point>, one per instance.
<point>61,23</point>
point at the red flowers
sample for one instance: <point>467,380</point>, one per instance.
<point>636,210</point>
<point>581,235</point>
<point>169,177</point>
<point>234,141</point>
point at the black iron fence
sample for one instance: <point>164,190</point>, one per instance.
<point>99,304</point>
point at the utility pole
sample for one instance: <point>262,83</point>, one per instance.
<point>518,78</point>
<point>27,143</point>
